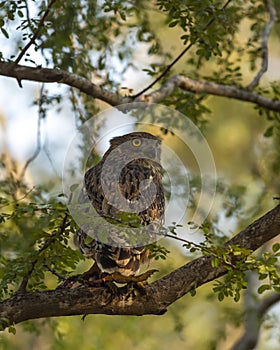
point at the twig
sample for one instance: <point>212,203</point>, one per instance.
<point>38,146</point>
<point>267,303</point>
<point>79,115</point>
<point>48,154</point>
<point>167,69</point>
<point>202,248</point>
<point>23,285</point>
<point>36,33</point>
<point>27,13</point>
<point>24,282</point>
<point>19,199</point>
<point>54,272</point>
<point>264,65</point>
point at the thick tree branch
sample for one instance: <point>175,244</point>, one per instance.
<point>157,296</point>
<point>46,75</point>
<point>206,87</point>
<point>179,81</point>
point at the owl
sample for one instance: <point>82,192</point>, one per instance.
<point>125,189</point>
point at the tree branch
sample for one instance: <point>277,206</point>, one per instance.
<point>255,314</point>
<point>264,65</point>
<point>156,298</point>
<point>47,75</point>
<point>207,87</point>
<point>186,49</point>
<point>38,141</point>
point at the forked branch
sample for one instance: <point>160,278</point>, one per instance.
<point>46,75</point>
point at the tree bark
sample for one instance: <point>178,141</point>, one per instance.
<point>253,322</point>
<point>47,75</point>
<point>156,297</point>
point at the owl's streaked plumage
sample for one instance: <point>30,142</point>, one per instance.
<point>131,166</point>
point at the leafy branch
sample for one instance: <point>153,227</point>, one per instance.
<point>172,64</point>
<point>237,260</point>
<point>157,297</point>
<point>35,34</point>
<point>52,239</point>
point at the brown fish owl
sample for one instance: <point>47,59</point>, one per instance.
<point>125,188</point>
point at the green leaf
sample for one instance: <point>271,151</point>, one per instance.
<point>5,32</point>
<point>221,296</point>
<point>193,292</point>
<point>262,276</point>
<point>276,247</point>
<point>237,296</point>
<point>269,132</point>
<point>173,24</point>
<point>263,288</point>
<point>74,187</point>
<point>12,330</point>
<point>277,289</point>
<point>122,15</point>
<point>215,262</point>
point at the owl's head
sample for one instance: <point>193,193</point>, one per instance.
<point>139,144</point>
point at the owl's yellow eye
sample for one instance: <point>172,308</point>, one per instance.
<point>136,142</point>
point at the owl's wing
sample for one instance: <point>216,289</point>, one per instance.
<point>93,188</point>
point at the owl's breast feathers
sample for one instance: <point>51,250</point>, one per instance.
<point>136,177</point>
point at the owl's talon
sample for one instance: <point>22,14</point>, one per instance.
<point>144,276</point>
<point>139,280</point>
<point>88,278</point>
<point>71,282</point>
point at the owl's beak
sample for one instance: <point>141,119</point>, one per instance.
<point>154,153</point>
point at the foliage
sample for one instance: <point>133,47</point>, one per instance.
<point>108,42</point>
<point>35,235</point>
<point>237,260</point>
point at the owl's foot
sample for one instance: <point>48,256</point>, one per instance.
<point>133,284</point>
<point>88,278</point>
<point>94,277</point>
<point>118,278</point>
